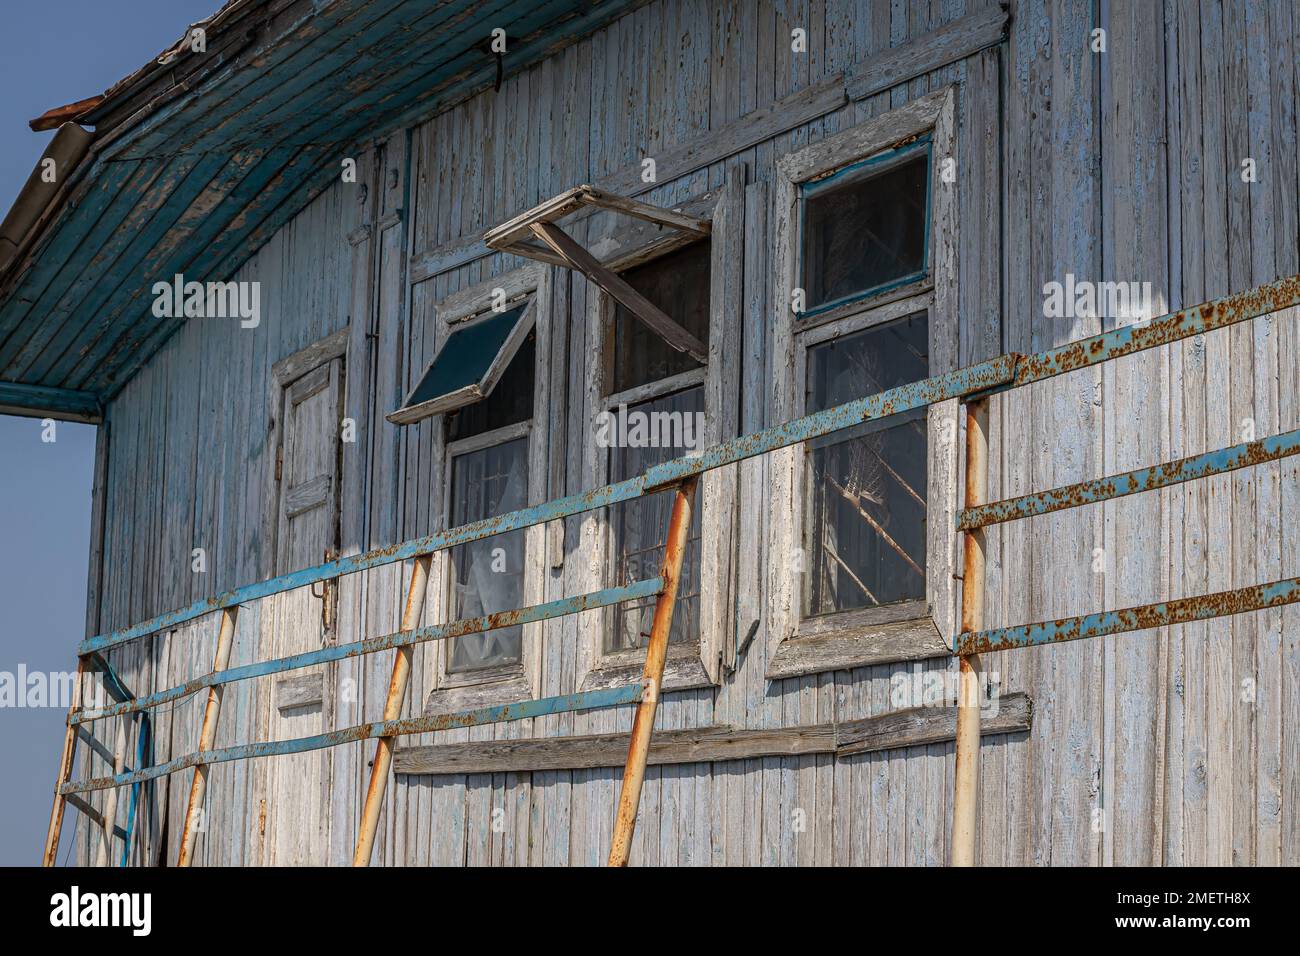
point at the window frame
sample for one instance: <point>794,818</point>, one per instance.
<point>688,665</point>
<point>910,630</point>
<point>507,683</point>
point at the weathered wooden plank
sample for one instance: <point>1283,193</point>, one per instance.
<point>901,729</point>
<point>955,41</point>
<point>699,153</point>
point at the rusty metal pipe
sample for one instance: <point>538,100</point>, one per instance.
<point>629,798</point>
<point>55,829</point>
<point>207,736</point>
<point>966,773</point>
<point>397,685</point>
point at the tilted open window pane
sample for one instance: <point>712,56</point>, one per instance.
<point>468,365</point>
<point>488,575</point>
<point>866,486</point>
<point>677,283</point>
<point>865,228</point>
<point>652,432</point>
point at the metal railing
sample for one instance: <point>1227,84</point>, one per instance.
<point>972,385</point>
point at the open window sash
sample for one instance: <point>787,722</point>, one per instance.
<point>469,364</point>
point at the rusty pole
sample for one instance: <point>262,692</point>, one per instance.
<point>966,776</point>
<point>207,736</point>
<point>397,685</point>
<point>638,750</point>
<point>65,772</point>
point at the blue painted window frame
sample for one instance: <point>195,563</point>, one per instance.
<point>865,168</point>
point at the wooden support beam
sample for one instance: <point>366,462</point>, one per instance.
<point>207,736</point>
<point>629,797</point>
<point>581,260</point>
<point>50,856</point>
<point>397,685</point>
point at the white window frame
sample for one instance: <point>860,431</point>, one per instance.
<point>907,630</point>
<point>505,683</point>
<point>688,665</point>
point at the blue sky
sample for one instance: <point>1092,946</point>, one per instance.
<point>52,52</point>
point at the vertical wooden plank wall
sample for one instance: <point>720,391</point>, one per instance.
<point>1177,746</point>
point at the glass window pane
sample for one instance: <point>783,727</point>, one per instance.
<point>678,284</point>
<point>488,575</point>
<point>466,356</point>
<point>638,527</point>
<point>866,486</point>
<point>865,228</point>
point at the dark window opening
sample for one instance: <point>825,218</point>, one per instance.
<point>677,283</point>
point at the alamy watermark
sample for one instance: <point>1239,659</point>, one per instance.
<point>654,429</point>
<point>1129,303</point>
<point>24,688</point>
<point>940,688</point>
<point>213,300</point>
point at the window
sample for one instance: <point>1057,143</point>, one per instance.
<point>679,284</point>
<point>866,486</point>
<point>870,301</point>
<point>666,425</point>
<point>864,228</point>
<point>469,364</point>
<point>487,575</point>
<point>488,458</point>
<point>638,527</point>
<point>648,402</point>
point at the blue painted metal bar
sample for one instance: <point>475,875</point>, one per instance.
<point>1223,603</point>
<point>38,400</point>
<point>591,700</point>
<point>1142,479</point>
<point>1282,294</point>
<point>955,384</point>
<point>338,652</point>
<point>143,746</point>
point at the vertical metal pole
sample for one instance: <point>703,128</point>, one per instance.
<point>110,800</point>
<point>207,736</point>
<point>638,750</point>
<point>966,775</point>
<point>397,685</point>
<point>49,858</point>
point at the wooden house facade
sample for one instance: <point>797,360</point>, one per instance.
<point>988,151</point>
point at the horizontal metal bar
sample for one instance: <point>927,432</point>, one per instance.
<point>962,382</point>
<point>1220,604</point>
<point>881,405</point>
<point>338,652</point>
<point>1132,482</point>
<point>590,700</point>
<point>1282,294</point>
